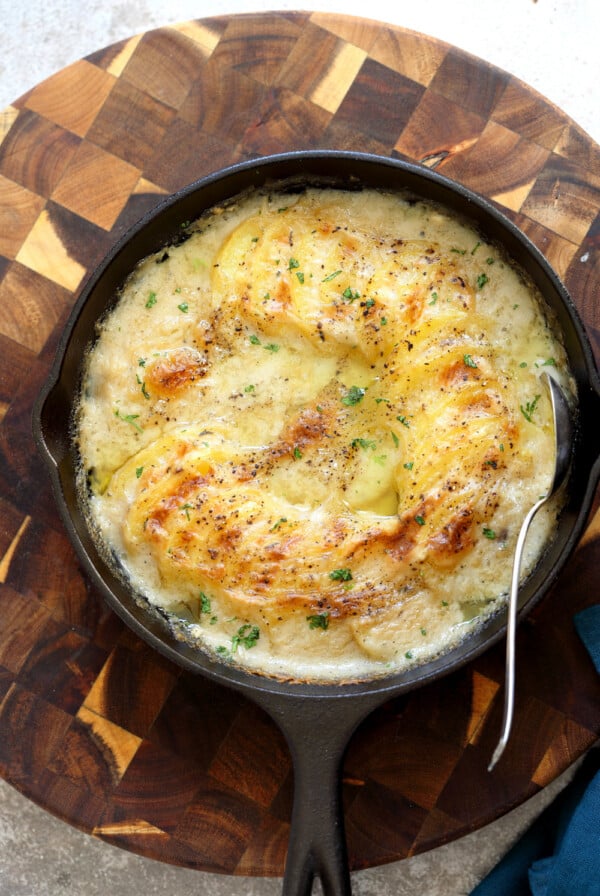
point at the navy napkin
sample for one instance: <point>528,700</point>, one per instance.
<point>559,854</point>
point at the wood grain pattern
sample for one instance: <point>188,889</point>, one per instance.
<point>94,725</point>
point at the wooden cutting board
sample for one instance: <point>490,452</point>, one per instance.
<point>96,727</point>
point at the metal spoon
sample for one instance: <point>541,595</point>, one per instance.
<point>563,432</point>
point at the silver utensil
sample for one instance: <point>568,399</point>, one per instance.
<point>563,433</point>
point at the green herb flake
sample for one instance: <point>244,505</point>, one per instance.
<point>364,444</point>
<point>350,294</point>
<point>300,276</point>
<point>420,520</point>
<point>185,508</point>
<point>138,472</point>
<point>319,620</point>
<point>529,408</point>
<point>250,388</point>
<point>434,298</point>
<point>383,321</point>
<point>401,418</point>
<point>247,635</point>
<point>129,418</point>
<point>330,277</point>
<point>205,604</point>
<point>475,248</point>
<point>395,438</point>
<point>280,522</point>
<point>151,300</point>
<point>271,347</point>
<point>343,574</point>
<point>489,533</point>
<point>142,386</point>
<point>354,395</point>
<point>469,362</point>
<point>482,279</point>
<point>408,655</point>
<point>141,362</point>
<point>184,307</point>
<point>409,465</point>
<point>293,263</point>
<point>254,339</point>
<point>297,453</point>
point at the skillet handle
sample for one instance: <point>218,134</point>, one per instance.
<point>317,844</point>
<point>317,732</point>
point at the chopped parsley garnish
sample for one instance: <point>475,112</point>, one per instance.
<point>129,418</point>
<point>142,386</point>
<point>247,635</point>
<point>319,620</point>
<point>151,300</point>
<point>434,298</point>
<point>205,605</point>
<point>184,307</point>
<point>469,362</point>
<point>271,347</point>
<point>482,279</point>
<point>186,509</point>
<point>138,472</point>
<point>331,276</point>
<point>254,339</point>
<point>528,409</point>
<point>280,521</point>
<point>343,574</point>
<point>475,248</point>
<point>489,533</point>
<point>364,444</point>
<point>293,263</point>
<point>420,520</point>
<point>297,453</point>
<point>250,388</point>
<point>409,465</point>
<point>353,396</point>
<point>350,294</point>
<point>401,418</point>
<point>300,276</point>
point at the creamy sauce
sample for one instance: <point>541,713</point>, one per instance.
<point>310,432</point>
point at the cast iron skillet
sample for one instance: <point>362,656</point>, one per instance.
<point>317,720</point>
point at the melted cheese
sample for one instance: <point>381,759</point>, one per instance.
<point>311,431</point>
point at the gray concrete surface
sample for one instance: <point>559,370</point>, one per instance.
<point>551,45</point>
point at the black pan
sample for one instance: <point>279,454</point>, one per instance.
<point>317,720</point>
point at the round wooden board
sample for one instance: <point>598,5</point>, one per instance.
<point>96,727</point>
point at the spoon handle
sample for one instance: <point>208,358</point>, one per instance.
<point>509,688</point>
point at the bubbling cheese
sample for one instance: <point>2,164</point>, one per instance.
<point>309,432</point>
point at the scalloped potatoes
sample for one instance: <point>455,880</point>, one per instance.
<point>309,433</point>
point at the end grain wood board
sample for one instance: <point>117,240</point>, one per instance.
<point>96,727</point>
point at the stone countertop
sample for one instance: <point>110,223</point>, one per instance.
<point>549,44</point>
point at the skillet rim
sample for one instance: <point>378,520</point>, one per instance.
<point>483,213</point>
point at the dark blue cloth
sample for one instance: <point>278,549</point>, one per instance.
<point>559,854</point>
